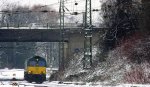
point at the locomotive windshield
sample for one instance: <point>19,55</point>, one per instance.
<point>32,63</point>
<point>36,61</point>
<point>41,63</point>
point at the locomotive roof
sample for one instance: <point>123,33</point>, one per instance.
<point>37,57</point>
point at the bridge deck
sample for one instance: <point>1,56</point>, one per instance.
<point>28,35</point>
<point>36,35</point>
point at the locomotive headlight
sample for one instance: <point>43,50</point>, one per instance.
<point>29,72</point>
<point>43,72</point>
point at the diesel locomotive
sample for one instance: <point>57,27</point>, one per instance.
<point>35,69</point>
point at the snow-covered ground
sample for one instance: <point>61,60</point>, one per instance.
<point>7,74</point>
<point>63,84</point>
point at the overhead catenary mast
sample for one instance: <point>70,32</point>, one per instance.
<point>87,60</point>
<point>61,44</point>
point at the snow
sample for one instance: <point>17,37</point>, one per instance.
<point>7,74</point>
<point>67,84</point>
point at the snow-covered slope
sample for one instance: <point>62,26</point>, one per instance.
<point>120,65</point>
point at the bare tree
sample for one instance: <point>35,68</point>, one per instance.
<point>121,16</point>
<point>23,15</point>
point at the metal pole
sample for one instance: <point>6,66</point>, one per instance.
<point>61,43</point>
<point>87,60</point>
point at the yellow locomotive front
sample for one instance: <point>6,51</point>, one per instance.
<point>35,70</point>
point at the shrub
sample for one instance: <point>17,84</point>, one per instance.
<point>136,75</point>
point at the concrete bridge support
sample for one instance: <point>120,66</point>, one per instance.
<point>75,44</point>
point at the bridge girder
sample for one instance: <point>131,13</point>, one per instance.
<point>39,35</point>
<point>29,35</point>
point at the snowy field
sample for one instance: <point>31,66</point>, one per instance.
<point>7,74</point>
